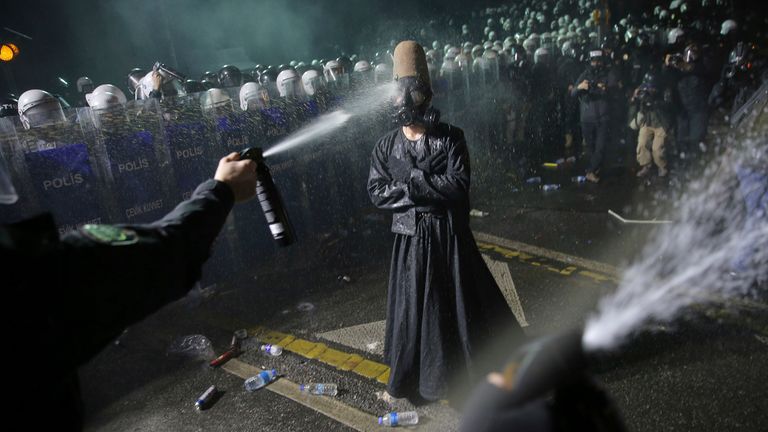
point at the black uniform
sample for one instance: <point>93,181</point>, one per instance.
<point>65,299</point>
<point>443,302</point>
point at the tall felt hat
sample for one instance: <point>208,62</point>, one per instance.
<point>410,61</point>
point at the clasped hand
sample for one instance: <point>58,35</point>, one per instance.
<point>400,169</point>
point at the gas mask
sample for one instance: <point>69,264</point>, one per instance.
<point>411,104</point>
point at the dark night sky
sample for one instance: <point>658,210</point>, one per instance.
<point>104,39</point>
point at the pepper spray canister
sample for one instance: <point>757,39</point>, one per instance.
<point>269,198</point>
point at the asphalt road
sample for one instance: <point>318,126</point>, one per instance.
<point>705,372</point>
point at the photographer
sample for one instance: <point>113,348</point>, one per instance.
<point>691,90</point>
<point>593,88</point>
<point>649,116</point>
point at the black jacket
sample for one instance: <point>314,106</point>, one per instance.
<point>692,88</point>
<point>595,103</point>
<point>448,191</point>
<point>78,293</point>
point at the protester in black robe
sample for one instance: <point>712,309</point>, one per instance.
<point>443,303</point>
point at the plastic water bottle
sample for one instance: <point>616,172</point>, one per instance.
<point>550,187</point>
<point>579,179</point>
<point>319,389</point>
<point>534,180</point>
<point>400,419</point>
<point>258,381</point>
<point>478,213</point>
<point>272,350</point>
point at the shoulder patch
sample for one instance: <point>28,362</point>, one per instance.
<point>109,234</point>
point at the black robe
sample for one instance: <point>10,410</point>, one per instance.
<point>443,302</point>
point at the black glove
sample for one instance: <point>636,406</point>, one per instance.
<point>400,169</point>
<point>434,163</point>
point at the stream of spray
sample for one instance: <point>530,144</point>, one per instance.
<point>363,103</point>
<point>716,251</point>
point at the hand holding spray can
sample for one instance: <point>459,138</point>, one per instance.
<point>270,199</point>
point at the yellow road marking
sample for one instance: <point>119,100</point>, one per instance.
<point>321,352</point>
<point>526,251</point>
<point>546,262</point>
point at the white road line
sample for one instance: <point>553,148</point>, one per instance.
<point>500,272</point>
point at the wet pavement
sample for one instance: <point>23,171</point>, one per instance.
<point>705,372</point>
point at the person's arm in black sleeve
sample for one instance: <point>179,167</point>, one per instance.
<point>576,91</point>
<point>451,187</point>
<point>110,284</point>
<point>717,95</point>
<point>384,188</point>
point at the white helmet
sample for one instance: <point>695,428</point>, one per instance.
<point>432,56</point>
<point>674,35</point>
<point>728,26</point>
<point>363,72</point>
<point>490,54</point>
<point>448,67</point>
<point>39,108</point>
<point>462,61</point>
<point>312,81</point>
<point>253,95</point>
<point>363,66</point>
<point>214,98</point>
<point>382,73</point>
<point>565,49</point>
<point>480,64</point>
<point>477,51</point>
<point>105,96</point>
<point>542,55</point>
<point>530,45</point>
<point>84,85</point>
<point>333,71</point>
<point>289,83</point>
<point>508,42</point>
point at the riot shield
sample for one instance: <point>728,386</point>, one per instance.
<point>56,165</point>
<point>193,155</point>
<point>134,152</point>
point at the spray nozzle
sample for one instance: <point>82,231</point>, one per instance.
<point>269,198</point>
<point>544,365</point>
<point>256,154</point>
<point>168,72</point>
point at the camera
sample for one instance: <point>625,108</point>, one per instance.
<point>168,72</point>
<point>644,93</point>
<point>676,60</point>
<point>596,86</point>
